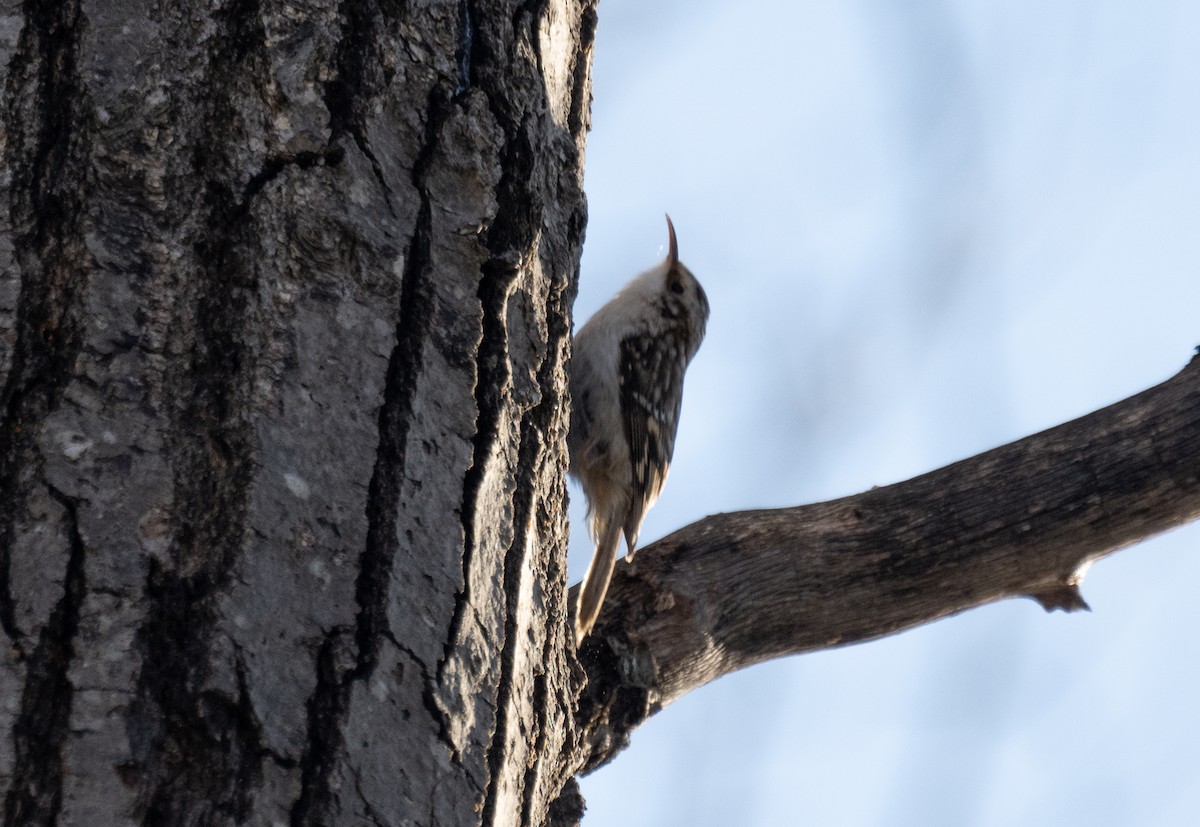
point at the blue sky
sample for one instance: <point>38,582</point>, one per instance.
<point>925,230</point>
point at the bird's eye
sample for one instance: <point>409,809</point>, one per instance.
<point>676,287</point>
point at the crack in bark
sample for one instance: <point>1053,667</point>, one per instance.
<point>49,155</point>
<point>199,752</point>
<point>499,273</point>
<point>41,728</point>
<point>395,415</point>
<point>511,233</point>
<point>530,13</point>
<point>359,73</point>
<point>531,459</point>
<point>491,379</point>
<point>327,708</point>
<point>416,269</point>
<point>539,424</point>
<point>529,783</point>
<point>329,703</point>
<point>494,376</point>
<point>374,817</point>
<point>208,751</point>
<point>462,57</point>
<point>272,168</point>
<point>365,147</point>
<point>248,732</point>
<point>579,118</point>
<point>245,34</point>
<point>340,666</point>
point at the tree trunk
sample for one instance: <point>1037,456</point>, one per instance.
<point>285,307</point>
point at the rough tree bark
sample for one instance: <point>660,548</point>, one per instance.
<point>286,306</point>
<point>285,298</point>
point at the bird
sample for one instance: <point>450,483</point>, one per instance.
<point>626,384</point>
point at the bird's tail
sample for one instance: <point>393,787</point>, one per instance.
<point>595,582</point>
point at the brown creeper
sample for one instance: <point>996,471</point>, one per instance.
<point>626,390</point>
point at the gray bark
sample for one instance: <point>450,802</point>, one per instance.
<point>285,306</point>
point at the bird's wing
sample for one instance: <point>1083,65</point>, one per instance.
<point>650,375</point>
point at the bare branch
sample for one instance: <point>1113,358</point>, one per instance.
<point>1025,519</point>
